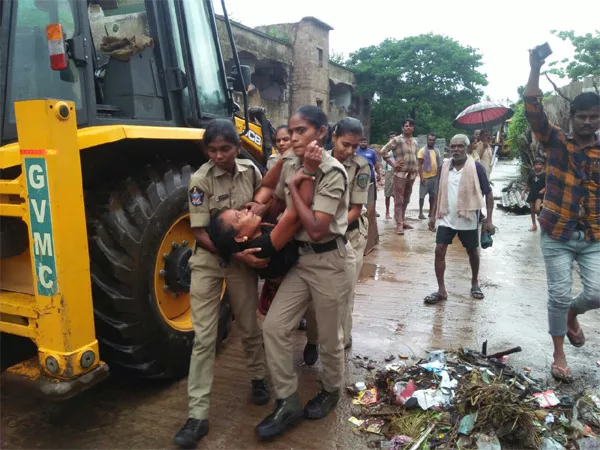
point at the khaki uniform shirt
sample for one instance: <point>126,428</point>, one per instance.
<point>403,149</point>
<point>359,178</point>
<point>213,190</point>
<point>272,160</point>
<point>330,196</point>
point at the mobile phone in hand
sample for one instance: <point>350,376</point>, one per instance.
<point>541,52</point>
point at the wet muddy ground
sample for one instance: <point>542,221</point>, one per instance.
<point>389,318</point>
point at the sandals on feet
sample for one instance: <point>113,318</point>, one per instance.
<point>476,293</point>
<point>576,339</point>
<point>434,298</point>
<point>561,373</point>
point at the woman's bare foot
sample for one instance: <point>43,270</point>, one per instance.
<point>387,216</point>
<point>533,228</point>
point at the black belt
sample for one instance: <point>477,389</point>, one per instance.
<point>354,225</point>
<point>322,248</point>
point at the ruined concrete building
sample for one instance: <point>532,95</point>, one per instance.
<point>290,68</point>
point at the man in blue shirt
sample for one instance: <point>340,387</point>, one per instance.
<point>371,156</point>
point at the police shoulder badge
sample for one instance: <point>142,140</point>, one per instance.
<point>363,180</point>
<point>196,196</point>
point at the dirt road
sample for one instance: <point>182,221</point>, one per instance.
<point>390,318</point>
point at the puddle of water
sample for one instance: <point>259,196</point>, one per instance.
<point>488,284</point>
<point>377,272</point>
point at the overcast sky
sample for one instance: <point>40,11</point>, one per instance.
<point>503,31</point>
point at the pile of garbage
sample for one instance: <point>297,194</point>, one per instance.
<point>469,400</point>
<point>512,198</point>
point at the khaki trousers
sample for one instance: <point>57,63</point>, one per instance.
<point>321,277</point>
<point>402,192</point>
<point>208,273</point>
<point>358,242</point>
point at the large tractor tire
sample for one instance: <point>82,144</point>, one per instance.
<point>140,242</point>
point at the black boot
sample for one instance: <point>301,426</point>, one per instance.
<point>311,354</point>
<point>287,413</point>
<point>321,405</point>
<point>191,433</point>
<point>260,392</point>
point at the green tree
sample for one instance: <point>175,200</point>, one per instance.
<point>586,61</point>
<point>517,130</point>
<point>428,77</point>
<point>337,58</point>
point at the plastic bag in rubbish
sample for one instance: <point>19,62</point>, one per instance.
<point>488,443</point>
<point>467,424</point>
<point>551,444</point>
<point>430,398</point>
<point>588,443</point>
<point>437,356</point>
<point>404,392</point>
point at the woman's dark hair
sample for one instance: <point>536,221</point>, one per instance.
<point>328,139</point>
<point>409,121</point>
<point>281,127</point>
<point>392,132</point>
<point>221,128</point>
<point>349,125</point>
<point>313,115</point>
<point>587,100</point>
<point>223,237</point>
<point>539,160</point>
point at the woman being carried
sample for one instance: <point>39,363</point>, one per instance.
<point>233,231</point>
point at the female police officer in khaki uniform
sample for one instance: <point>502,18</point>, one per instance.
<point>222,183</point>
<point>347,134</point>
<point>320,274</point>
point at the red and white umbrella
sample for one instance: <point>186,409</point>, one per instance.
<point>482,115</point>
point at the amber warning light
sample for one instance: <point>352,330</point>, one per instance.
<point>56,46</point>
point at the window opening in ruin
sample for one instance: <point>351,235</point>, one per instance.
<point>270,78</point>
<point>320,56</point>
<point>319,103</point>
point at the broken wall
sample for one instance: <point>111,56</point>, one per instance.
<point>290,67</point>
<point>270,60</point>
<point>344,100</point>
<point>310,78</point>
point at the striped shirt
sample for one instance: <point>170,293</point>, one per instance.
<point>404,149</point>
<point>572,199</point>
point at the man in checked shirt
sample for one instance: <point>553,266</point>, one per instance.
<point>570,220</point>
<point>405,167</point>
